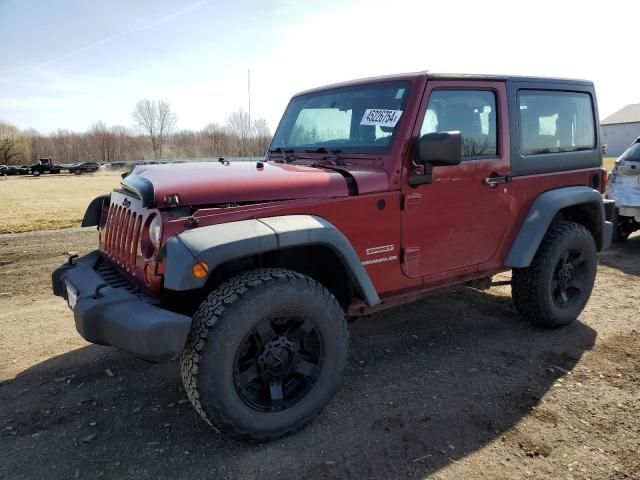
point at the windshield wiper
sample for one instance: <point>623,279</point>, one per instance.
<point>337,159</point>
<point>287,154</point>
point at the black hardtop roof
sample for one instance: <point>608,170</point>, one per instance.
<point>450,76</point>
<point>507,78</point>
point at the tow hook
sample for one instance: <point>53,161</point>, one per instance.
<point>98,292</point>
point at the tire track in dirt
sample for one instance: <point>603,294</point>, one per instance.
<point>454,386</point>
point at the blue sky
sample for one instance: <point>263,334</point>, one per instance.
<point>69,63</point>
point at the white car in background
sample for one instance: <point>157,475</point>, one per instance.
<point>624,187</point>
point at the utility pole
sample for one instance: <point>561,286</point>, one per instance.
<point>249,93</point>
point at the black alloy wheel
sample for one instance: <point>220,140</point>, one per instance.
<point>278,362</point>
<point>554,289</point>
<point>569,278</point>
<point>266,352</point>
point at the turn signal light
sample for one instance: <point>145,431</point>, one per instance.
<point>148,273</point>
<point>200,270</point>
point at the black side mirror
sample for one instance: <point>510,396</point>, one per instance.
<point>437,149</point>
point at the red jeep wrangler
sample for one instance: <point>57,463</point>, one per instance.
<point>374,193</point>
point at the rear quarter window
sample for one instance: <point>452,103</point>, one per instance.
<point>555,121</point>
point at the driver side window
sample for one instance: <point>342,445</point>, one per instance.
<point>471,112</point>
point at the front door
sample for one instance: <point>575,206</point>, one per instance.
<point>459,219</point>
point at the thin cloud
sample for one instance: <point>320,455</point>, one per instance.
<point>99,43</point>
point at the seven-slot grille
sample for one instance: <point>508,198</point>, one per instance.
<point>114,278</point>
<point>121,236</point>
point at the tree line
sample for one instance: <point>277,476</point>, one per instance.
<point>153,136</point>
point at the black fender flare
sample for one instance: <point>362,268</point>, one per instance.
<point>541,214</point>
<point>92,214</point>
<point>216,244</point>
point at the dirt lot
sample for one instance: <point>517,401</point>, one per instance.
<point>454,386</point>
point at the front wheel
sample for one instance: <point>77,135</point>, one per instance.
<point>554,289</point>
<point>265,354</point>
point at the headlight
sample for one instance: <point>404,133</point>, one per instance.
<point>151,236</point>
<point>155,231</point>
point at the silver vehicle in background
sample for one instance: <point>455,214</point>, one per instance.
<point>624,187</point>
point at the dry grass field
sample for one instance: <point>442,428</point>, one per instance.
<point>607,163</point>
<point>50,201</point>
<point>59,201</point>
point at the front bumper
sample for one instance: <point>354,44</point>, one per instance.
<point>109,311</point>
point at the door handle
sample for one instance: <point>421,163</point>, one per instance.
<point>495,181</point>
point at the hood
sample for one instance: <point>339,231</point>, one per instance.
<point>203,183</point>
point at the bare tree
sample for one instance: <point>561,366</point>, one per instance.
<point>37,143</point>
<point>262,136</point>
<point>213,139</point>
<point>12,145</point>
<point>103,142</point>
<point>156,120</point>
<point>69,147</point>
<point>185,144</point>
<point>240,128</point>
<point>127,145</point>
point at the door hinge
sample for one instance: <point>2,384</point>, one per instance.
<point>411,261</point>
<point>410,200</point>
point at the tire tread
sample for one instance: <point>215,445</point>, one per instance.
<point>204,321</point>
<point>525,281</point>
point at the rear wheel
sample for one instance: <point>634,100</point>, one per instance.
<point>265,353</point>
<point>555,288</point>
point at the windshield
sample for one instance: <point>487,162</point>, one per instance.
<point>359,119</point>
<point>632,153</point>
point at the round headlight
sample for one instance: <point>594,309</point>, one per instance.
<point>155,231</point>
<point>150,236</point>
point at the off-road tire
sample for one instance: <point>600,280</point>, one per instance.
<point>219,326</point>
<point>531,287</point>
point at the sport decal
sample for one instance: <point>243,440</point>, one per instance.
<point>382,249</point>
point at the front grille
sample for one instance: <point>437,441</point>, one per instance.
<point>112,277</point>
<point>121,235</point>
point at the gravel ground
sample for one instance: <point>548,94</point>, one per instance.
<point>454,386</point>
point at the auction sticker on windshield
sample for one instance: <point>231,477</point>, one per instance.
<point>381,117</point>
